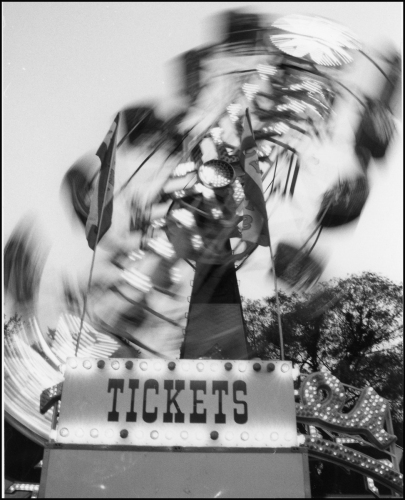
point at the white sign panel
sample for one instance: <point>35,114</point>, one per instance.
<point>188,403</point>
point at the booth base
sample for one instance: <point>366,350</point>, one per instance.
<point>128,472</point>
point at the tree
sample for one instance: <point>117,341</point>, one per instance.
<point>351,328</point>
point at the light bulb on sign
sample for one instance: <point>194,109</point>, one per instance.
<point>72,362</point>
<point>244,436</point>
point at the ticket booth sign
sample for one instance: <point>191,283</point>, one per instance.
<point>187,403</point>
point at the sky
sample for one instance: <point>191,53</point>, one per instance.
<point>69,67</point>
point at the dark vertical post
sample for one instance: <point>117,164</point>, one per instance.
<point>215,327</point>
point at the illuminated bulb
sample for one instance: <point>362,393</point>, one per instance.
<point>94,433</point>
<point>72,362</point>
<point>216,213</point>
<point>284,367</point>
<point>235,111</point>
<point>183,169</point>
<point>184,434</point>
<point>143,365</point>
<point>186,366</point>
<point>175,275</point>
<point>184,217</point>
<point>196,241</point>
<point>214,367</point>
<point>137,255</point>
<point>244,436</point>
<point>162,247</point>
<point>52,435</point>
<point>158,222</point>
<point>64,432</point>
<point>87,364</point>
<point>109,433</point>
<point>169,435</point>
<point>200,367</point>
<point>287,436</point>
<point>115,364</point>
<point>216,174</point>
<point>154,434</point>
<point>157,366</point>
<point>295,373</point>
<point>274,436</point>
<point>266,70</point>
<point>250,90</point>
<point>242,367</point>
<point>259,436</point>
<point>137,279</point>
<point>229,436</point>
<point>139,434</point>
<point>199,435</point>
<point>301,439</point>
<point>62,368</point>
<point>79,433</point>
<point>281,128</point>
<point>179,194</point>
<point>216,134</point>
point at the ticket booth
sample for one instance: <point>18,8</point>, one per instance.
<point>133,428</point>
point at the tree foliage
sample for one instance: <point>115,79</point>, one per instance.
<point>350,327</point>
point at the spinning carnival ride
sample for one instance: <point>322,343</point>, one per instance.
<point>269,128</point>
